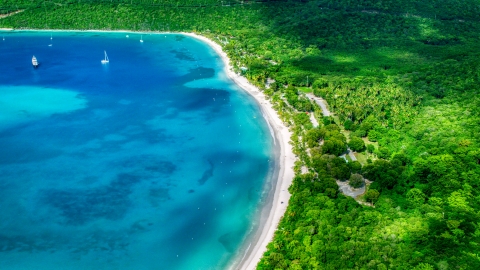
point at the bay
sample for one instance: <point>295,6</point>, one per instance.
<point>155,160</point>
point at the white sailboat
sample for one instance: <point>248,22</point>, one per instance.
<point>141,38</point>
<point>51,37</point>
<point>105,60</point>
<point>34,62</point>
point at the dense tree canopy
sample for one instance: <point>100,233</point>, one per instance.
<point>402,75</point>
<point>356,144</point>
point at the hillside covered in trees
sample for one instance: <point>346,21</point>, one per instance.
<point>403,77</point>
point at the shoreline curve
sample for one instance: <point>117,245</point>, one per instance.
<point>276,208</point>
<point>251,252</point>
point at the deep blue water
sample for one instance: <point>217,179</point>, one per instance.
<point>153,161</point>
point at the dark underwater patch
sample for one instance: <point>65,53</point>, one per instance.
<point>203,98</point>
<point>185,56</point>
<point>207,174</point>
<point>17,243</point>
<point>229,241</point>
<point>197,74</point>
<point>165,167</point>
<point>79,206</point>
<point>14,153</point>
<point>159,194</point>
<point>149,163</point>
<point>179,38</point>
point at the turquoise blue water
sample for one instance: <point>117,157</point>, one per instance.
<point>153,161</point>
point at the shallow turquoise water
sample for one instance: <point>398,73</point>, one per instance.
<point>153,161</point>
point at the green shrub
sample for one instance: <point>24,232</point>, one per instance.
<point>356,180</point>
<point>356,144</point>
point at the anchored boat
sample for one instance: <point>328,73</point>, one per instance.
<point>34,62</point>
<point>105,60</point>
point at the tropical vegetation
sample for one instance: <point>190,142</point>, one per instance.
<point>401,76</point>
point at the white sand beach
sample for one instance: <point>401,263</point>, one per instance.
<point>249,256</point>
<point>258,244</point>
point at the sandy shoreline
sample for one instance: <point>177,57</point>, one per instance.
<point>258,245</point>
<point>250,254</point>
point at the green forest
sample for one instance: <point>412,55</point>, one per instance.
<point>402,78</point>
